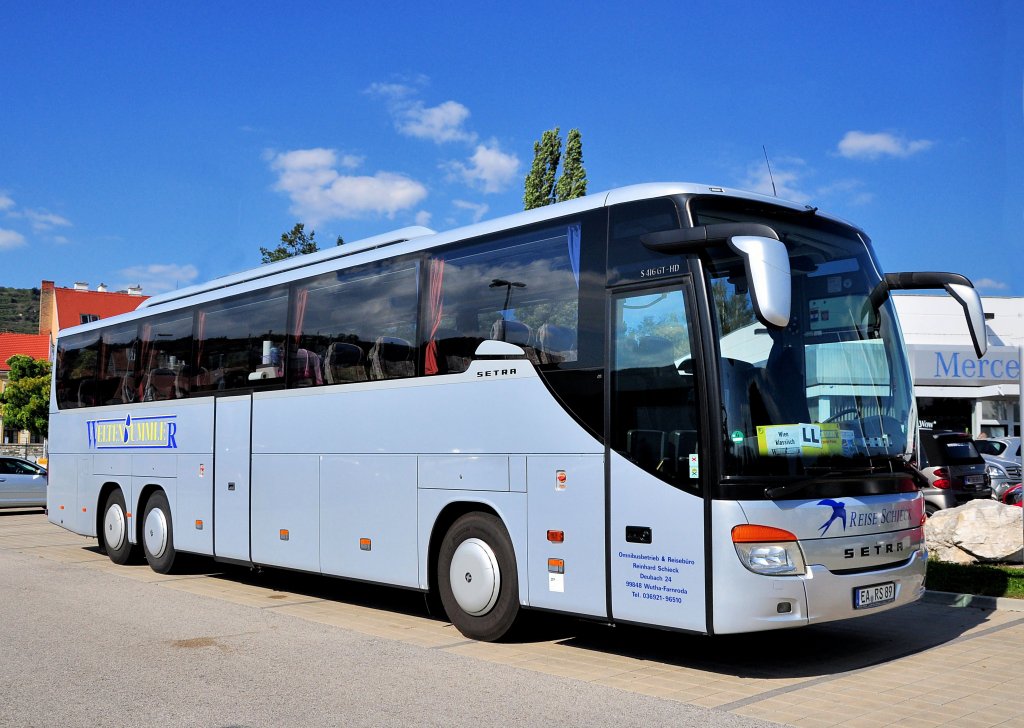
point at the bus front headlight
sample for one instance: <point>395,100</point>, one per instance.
<point>768,550</point>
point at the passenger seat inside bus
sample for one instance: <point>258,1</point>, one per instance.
<point>391,357</point>
<point>160,385</point>
<point>557,344</point>
<point>344,363</point>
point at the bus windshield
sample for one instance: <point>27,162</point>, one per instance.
<point>830,392</point>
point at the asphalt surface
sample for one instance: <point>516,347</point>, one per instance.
<point>80,647</point>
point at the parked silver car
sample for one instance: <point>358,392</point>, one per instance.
<point>1002,458</point>
<point>22,483</point>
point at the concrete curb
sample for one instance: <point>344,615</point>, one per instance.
<point>973,600</point>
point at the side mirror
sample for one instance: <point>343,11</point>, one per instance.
<point>767,265</point>
<point>765,260</point>
<point>955,285</point>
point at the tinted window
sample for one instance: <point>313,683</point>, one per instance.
<point>166,348</point>
<point>77,364</point>
<point>355,325</point>
<point>655,421</point>
<point>628,259</point>
<point>240,342</point>
<point>115,380</point>
<point>523,290</point>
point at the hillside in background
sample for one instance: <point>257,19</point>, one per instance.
<point>19,310</point>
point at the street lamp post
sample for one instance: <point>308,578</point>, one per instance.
<point>509,285</point>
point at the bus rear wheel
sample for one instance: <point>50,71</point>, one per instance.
<point>157,534</point>
<point>114,535</point>
<point>477,579</point>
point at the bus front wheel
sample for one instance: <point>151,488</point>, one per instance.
<point>477,579</point>
<point>157,535</point>
<point>115,529</point>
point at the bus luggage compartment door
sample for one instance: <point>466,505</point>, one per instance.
<point>232,454</point>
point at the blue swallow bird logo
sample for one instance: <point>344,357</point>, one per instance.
<point>838,511</point>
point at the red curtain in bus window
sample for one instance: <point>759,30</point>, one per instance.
<point>300,313</point>
<point>201,377</point>
<point>435,301</point>
<point>147,354</point>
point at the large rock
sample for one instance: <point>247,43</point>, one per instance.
<point>978,531</point>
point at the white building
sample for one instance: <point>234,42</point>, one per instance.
<point>954,389</point>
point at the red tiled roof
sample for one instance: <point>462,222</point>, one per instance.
<point>36,346</point>
<point>72,304</point>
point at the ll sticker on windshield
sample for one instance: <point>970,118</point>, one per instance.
<point>802,439</point>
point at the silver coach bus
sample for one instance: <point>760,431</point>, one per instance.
<point>671,405</point>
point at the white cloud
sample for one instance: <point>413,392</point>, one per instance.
<point>478,210</point>
<point>6,202</point>
<point>489,169</point>
<point>319,192</point>
<point>42,220</point>
<point>990,284</point>
<point>392,91</point>
<point>439,124</point>
<point>351,161</point>
<point>157,277</point>
<point>794,181</point>
<point>787,173</point>
<point>10,239</point>
<point>862,145</point>
<point>423,218</point>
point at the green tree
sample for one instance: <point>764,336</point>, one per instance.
<point>294,242</point>
<point>25,403</point>
<point>543,186</point>
<point>734,309</point>
<point>573,182</point>
<point>540,182</point>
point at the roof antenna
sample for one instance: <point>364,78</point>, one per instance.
<point>770,175</point>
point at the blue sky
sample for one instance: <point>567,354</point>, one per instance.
<point>164,143</point>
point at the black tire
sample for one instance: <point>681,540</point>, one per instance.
<point>158,534</point>
<point>114,529</point>
<point>930,509</point>
<point>484,553</point>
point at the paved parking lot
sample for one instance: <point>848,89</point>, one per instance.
<point>926,665</point>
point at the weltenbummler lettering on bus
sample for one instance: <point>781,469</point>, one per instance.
<point>669,405</point>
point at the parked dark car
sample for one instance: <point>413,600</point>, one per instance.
<point>954,468</point>
<point>22,484</point>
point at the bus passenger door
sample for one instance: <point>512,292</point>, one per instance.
<point>656,469</point>
<point>232,454</point>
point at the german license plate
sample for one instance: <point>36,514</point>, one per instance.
<point>874,595</point>
<point>974,479</point>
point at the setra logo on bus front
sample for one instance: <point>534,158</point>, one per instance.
<point>154,432</point>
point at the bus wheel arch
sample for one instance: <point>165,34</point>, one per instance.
<point>113,525</point>
<point>477,575</point>
<point>156,529</point>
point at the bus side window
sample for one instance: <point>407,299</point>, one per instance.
<point>240,343</point>
<point>358,323</point>
<point>77,364</point>
<point>523,289</point>
<point>166,349</point>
